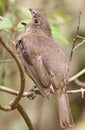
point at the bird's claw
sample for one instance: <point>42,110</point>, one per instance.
<point>32,96</point>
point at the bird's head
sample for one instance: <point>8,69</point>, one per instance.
<point>38,20</point>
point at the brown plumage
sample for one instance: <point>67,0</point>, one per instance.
<point>45,63</point>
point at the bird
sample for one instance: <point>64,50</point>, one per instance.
<point>45,63</point>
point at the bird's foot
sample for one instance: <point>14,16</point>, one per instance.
<point>34,90</point>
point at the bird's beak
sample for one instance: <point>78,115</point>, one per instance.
<point>32,11</point>
<point>23,23</point>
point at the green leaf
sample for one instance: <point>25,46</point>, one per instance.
<point>56,34</point>
<point>5,24</point>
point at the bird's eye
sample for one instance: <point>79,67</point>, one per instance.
<point>33,11</point>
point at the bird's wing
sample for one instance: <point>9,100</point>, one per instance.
<point>32,74</point>
<point>33,55</point>
<point>32,70</point>
<point>41,71</point>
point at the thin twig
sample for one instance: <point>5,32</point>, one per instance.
<point>81,43</point>
<point>12,40</point>
<point>74,41</point>
<point>81,37</point>
<point>14,92</point>
<point>5,108</point>
<point>6,60</point>
<point>15,102</point>
<point>77,91</point>
<point>76,76</point>
<point>25,117</point>
<point>79,83</point>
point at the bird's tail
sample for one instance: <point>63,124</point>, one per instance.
<point>65,116</point>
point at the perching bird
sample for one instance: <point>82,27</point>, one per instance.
<point>45,63</point>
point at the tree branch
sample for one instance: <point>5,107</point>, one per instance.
<point>77,75</point>
<point>79,83</point>
<point>25,117</point>
<point>15,102</point>
<point>83,38</point>
<point>77,91</point>
<point>14,92</point>
<point>6,60</point>
<point>81,43</point>
<point>74,41</point>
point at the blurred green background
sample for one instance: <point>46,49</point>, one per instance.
<point>62,14</point>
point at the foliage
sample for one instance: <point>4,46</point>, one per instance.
<point>5,24</point>
<point>57,35</point>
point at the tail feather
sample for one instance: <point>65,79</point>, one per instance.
<point>65,115</point>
